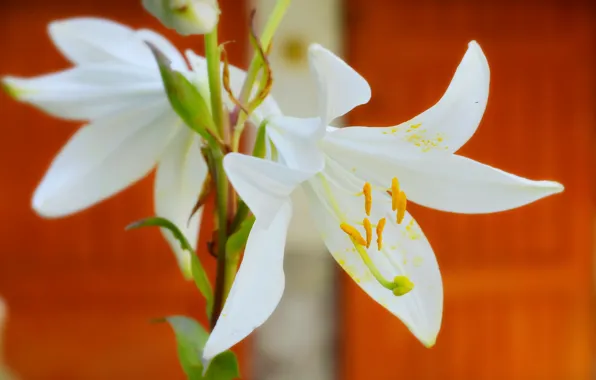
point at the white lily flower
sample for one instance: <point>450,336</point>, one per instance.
<point>358,199</point>
<point>185,16</point>
<point>116,85</point>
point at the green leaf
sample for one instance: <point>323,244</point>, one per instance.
<point>260,148</point>
<point>185,98</point>
<point>191,338</point>
<point>237,241</point>
<point>198,272</point>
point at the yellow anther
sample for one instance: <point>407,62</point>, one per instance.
<point>394,193</point>
<point>368,229</point>
<point>353,233</point>
<point>403,285</point>
<point>380,227</point>
<point>402,203</point>
<point>367,191</point>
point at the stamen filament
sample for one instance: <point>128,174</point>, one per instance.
<point>373,269</point>
<point>380,227</point>
<point>368,229</point>
<point>367,191</point>
<point>353,233</point>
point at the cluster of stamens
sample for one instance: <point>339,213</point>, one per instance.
<point>398,204</point>
<point>400,284</point>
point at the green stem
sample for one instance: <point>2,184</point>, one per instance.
<point>212,54</point>
<point>221,185</point>
<point>253,70</point>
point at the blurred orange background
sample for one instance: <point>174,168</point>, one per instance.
<point>518,285</point>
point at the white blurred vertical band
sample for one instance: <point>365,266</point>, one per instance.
<point>298,341</point>
<point>2,321</point>
<point>5,373</point>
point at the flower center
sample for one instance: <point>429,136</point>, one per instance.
<point>399,285</point>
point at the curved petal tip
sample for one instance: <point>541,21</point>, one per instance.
<point>11,88</point>
<point>475,50</point>
<point>40,204</point>
<point>556,187</point>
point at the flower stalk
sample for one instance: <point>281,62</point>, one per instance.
<point>257,63</point>
<point>222,193</point>
<point>212,54</point>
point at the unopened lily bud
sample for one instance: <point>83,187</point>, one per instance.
<point>185,16</point>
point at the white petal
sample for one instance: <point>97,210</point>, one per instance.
<point>88,92</point>
<point>446,126</point>
<point>264,185</point>
<point>95,40</point>
<point>450,182</point>
<point>258,286</point>
<point>180,175</point>
<point>103,158</point>
<point>197,63</point>
<point>297,140</point>
<point>405,252</point>
<point>165,46</point>
<point>340,87</point>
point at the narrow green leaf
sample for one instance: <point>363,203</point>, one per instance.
<point>191,338</point>
<point>237,241</point>
<point>185,98</point>
<point>198,271</point>
<point>260,148</point>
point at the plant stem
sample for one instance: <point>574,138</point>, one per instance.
<point>226,269</point>
<point>221,185</point>
<point>212,54</point>
<point>253,70</point>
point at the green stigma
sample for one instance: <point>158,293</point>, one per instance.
<point>403,286</point>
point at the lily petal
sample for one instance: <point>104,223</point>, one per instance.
<point>258,286</point>
<point>445,127</point>
<point>449,182</point>
<point>340,87</point>
<point>95,40</point>
<point>88,92</point>
<point>180,175</point>
<point>405,252</point>
<point>297,140</point>
<point>265,186</point>
<point>103,158</point>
